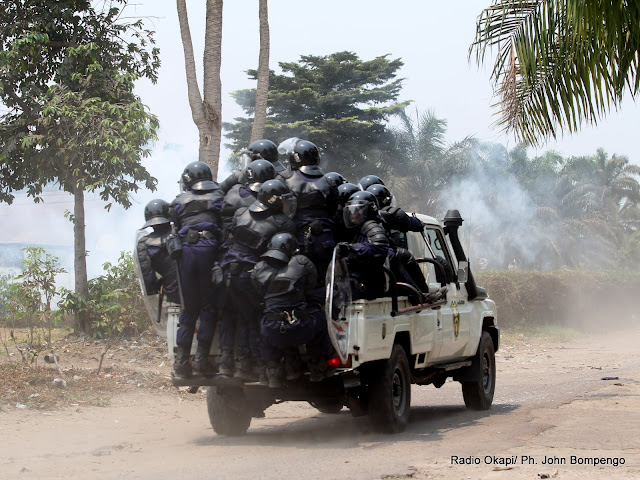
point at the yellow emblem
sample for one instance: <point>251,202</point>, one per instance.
<point>456,319</point>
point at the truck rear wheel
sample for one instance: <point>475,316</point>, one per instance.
<point>228,412</point>
<point>478,393</point>
<point>390,393</point>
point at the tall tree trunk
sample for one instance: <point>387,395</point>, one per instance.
<point>207,112</point>
<point>80,255</point>
<point>262,89</point>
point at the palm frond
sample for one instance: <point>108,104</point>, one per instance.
<point>560,63</point>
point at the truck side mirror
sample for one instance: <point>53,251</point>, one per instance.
<point>463,272</point>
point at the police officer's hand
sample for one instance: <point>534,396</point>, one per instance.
<point>216,274</point>
<point>343,249</point>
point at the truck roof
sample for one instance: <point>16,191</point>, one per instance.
<point>426,219</point>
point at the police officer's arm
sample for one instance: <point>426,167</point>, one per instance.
<point>151,281</point>
<point>233,179</point>
<point>314,295</point>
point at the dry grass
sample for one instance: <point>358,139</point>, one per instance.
<point>127,365</point>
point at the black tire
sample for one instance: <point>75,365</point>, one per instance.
<point>331,407</point>
<point>390,393</point>
<point>228,412</point>
<point>478,393</point>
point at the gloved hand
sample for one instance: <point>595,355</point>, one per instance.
<point>174,247</point>
<point>343,249</point>
<point>217,276</point>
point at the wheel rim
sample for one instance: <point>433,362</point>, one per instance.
<point>487,374</point>
<point>398,392</point>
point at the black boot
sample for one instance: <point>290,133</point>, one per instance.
<point>319,370</point>
<point>275,374</point>
<point>181,364</point>
<point>226,362</point>
<point>202,362</point>
<point>292,365</point>
<point>244,369</point>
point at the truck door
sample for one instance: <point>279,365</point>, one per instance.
<point>455,316</point>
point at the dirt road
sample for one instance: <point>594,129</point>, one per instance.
<point>552,407</point>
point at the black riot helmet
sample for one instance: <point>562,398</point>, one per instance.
<point>368,180</point>
<point>275,196</point>
<point>345,191</point>
<point>282,246</point>
<point>264,149</point>
<point>335,179</point>
<point>382,194</point>
<point>362,206</point>
<point>198,176</point>
<point>303,155</point>
<point>258,172</point>
<point>156,213</point>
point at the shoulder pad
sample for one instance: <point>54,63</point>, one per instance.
<point>375,233</point>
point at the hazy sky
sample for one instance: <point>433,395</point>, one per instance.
<point>432,38</point>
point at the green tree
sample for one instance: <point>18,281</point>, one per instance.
<point>559,63</point>
<point>67,74</point>
<point>339,102</point>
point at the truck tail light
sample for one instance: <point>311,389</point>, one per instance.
<point>336,363</point>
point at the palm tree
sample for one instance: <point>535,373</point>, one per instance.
<point>560,63</point>
<point>426,165</point>
<point>206,110</point>
<point>262,88</point>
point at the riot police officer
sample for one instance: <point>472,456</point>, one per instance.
<point>369,247</point>
<point>158,270</point>
<point>244,194</point>
<point>368,180</point>
<point>342,233</point>
<point>292,316</point>
<point>260,149</point>
<point>396,220</point>
<point>252,229</point>
<point>335,179</point>
<point>196,216</point>
<point>394,217</point>
<point>317,202</point>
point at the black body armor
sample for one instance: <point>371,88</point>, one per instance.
<point>280,282</point>
<point>232,202</point>
<point>190,208</point>
<point>251,235</point>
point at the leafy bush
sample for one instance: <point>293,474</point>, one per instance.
<point>115,305</point>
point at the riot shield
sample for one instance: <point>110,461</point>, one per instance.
<point>151,302</point>
<point>337,301</point>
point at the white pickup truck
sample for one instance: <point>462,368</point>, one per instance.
<point>385,345</point>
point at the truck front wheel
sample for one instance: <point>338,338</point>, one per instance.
<point>228,411</point>
<point>478,393</point>
<point>390,393</point>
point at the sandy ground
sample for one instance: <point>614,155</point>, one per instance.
<point>552,408</point>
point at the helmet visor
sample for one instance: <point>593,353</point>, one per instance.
<point>289,204</point>
<point>245,160</point>
<point>286,147</point>
<point>355,214</point>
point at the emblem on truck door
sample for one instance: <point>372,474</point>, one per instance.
<point>456,319</point>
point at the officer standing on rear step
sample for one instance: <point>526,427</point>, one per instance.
<point>158,270</point>
<point>252,229</point>
<point>293,318</point>
<point>196,216</point>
